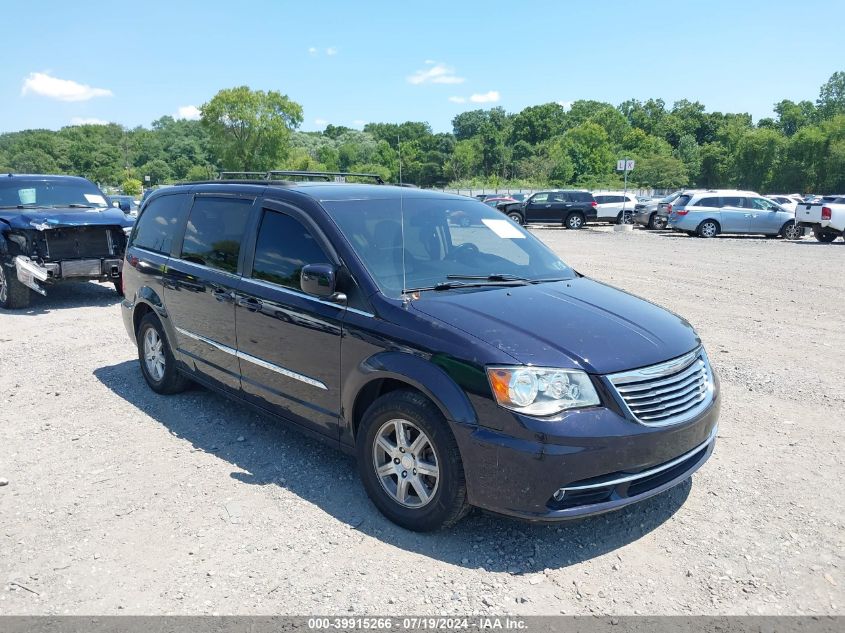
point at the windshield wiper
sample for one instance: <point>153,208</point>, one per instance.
<point>72,205</point>
<point>493,277</point>
<point>29,205</point>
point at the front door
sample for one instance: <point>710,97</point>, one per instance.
<point>288,341</point>
<point>539,208</point>
<point>199,287</point>
<point>766,217</point>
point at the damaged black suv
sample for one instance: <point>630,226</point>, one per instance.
<point>56,228</point>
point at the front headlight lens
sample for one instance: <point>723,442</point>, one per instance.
<point>541,390</point>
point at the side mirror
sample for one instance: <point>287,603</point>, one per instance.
<point>319,280</point>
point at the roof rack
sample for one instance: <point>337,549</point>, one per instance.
<point>337,176</point>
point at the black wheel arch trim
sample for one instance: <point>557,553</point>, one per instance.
<point>418,373</point>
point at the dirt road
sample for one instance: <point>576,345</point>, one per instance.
<point>120,501</point>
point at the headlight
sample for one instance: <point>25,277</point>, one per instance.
<point>541,390</point>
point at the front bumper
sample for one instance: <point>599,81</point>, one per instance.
<point>604,463</point>
<point>31,273</point>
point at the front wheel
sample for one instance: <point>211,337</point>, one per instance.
<point>410,464</point>
<point>825,237</point>
<point>791,232</point>
<point>574,221</point>
<point>13,294</point>
<point>516,217</point>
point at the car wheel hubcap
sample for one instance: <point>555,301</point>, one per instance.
<point>405,463</point>
<point>792,232</point>
<point>154,354</point>
<point>709,230</point>
<point>515,218</point>
<point>575,222</point>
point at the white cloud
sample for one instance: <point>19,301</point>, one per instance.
<point>320,122</point>
<point>312,50</point>
<point>61,89</point>
<point>458,99</point>
<point>435,74</point>
<point>331,51</point>
<point>78,120</point>
<point>566,105</point>
<point>487,97</point>
<point>187,112</point>
<point>359,123</point>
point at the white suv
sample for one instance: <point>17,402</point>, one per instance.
<point>611,203</point>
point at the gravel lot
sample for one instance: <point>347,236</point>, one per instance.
<point>120,501</point>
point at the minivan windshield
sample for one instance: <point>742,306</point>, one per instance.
<point>49,192</point>
<point>442,243</point>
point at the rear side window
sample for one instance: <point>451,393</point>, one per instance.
<point>602,199</point>
<point>214,232</point>
<point>581,196</point>
<point>713,202</point>
<point>283,247</point>
<point>156,228</point>
<point>681,201</point>
<point>734,201</point>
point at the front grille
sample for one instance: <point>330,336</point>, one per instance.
<point>78,242</point>
<point>668,393</point>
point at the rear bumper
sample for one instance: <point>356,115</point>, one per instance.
<point>31,273</point>
<point>608,463</point>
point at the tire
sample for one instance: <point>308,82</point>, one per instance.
<point>574,221</point>
<point>791,232</point>
<point>430,502</point>
<point>708,228</point>
<point>826,237</point>
<point>627,219</point>
<point>516,217</point>
<point>160,371</point>
<point>655,222</point>
<point>13,294</point>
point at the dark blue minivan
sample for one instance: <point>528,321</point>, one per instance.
<point>454,354</point>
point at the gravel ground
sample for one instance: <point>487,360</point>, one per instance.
<point>120,501</point>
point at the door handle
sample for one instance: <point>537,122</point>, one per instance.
<point>221,294</point>
<point>548,205</point>
<point>250,303</point>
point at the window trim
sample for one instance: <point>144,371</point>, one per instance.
<point>176,250</point>
<point>178,234</point>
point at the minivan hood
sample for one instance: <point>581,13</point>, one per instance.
<point>574,324</point>
<point>43,219</point>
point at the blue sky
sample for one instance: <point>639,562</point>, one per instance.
<point>350,63</point>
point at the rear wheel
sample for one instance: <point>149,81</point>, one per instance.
<point>824,236</point>
<point>516,217</point>
<point>410,464</point>
<point>624,218</point>
<point>574,221</point>
<point>656,222</point>
<point>13,294</point>
<point>708,228</point>
<point>157,362</point>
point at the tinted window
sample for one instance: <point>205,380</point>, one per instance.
<point>157,225</point>
<point>681,201</point>
<point>214,232</point>
<point>712,202</point>
<point>733,201</point>
<point>557,197</point>
<point>602,199</point>
<point>284,246</point>
<point>580,196</point>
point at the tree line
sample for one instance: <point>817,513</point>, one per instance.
<point>800,149</point>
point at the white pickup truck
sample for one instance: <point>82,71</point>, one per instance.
<point>826,218</point>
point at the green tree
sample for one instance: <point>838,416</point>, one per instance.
<point>757,156</point>
<point>831,99</point>
<point>538,123</point>
<point>158,171</point>
<point>660,172</point>
<point>250,129</point>
<point>132,187</point>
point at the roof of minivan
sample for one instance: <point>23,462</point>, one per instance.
<point>721,192</point>
<point>321,191</point>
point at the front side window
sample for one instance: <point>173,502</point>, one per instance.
<point>539,198</point>
<point>156,228</point>
<point>763,205</point>
<point>214,232</point>
<point>419,243</point>
<point>283,248</point>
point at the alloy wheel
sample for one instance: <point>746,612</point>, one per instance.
<point>708,229</point>
<point>406,463</point>
<point>574,222</point>
<point>154,354</point>
<point>793,232</point>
